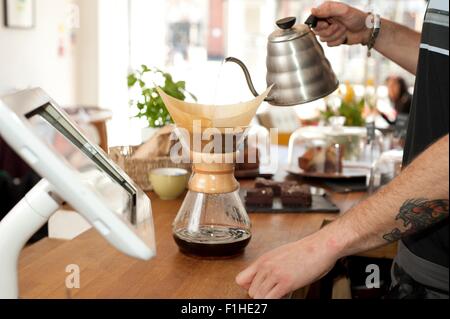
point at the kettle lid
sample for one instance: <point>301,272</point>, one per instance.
<point>288,30</point>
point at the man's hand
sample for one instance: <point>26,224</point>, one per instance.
<point>289,267</point>
<point>341,24</point>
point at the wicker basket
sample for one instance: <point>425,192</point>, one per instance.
<point>139,169</point>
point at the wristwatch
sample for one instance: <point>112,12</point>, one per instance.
<point>376,21</point>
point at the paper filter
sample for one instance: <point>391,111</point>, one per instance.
<point>212,116</point>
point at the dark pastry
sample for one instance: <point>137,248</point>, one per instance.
<point>259,197</point>
<point>296,196</point>
<point>288,183</point>
<point>250,159</point>
<point>262,183</point>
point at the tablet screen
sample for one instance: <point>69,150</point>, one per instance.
<point>95,169</point>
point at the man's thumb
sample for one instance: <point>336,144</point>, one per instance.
<point>330,9</point>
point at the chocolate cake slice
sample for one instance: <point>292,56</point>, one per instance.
<point>288,184</point>
<point>250,160</point>
<point>262,197</point>
<point>296,196</point>
<point>263,183</point>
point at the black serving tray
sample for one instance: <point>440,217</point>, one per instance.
<point>346,186</point>
<point>250,174</point>
<point>320,204</point>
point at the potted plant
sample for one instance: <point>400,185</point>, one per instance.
<point>149,105</point>
<point>351,108</point>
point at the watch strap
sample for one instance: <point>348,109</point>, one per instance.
<point>375,32</point>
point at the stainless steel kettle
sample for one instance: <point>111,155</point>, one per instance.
<point>296,64</point>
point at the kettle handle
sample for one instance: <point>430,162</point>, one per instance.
<point>289,22</point>
<point>248,78</point>
<point>312,21</point>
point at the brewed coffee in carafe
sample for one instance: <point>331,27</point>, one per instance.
<point>212,221</point>
<point>212,225</point>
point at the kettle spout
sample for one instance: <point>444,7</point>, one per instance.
<point>248,78</point>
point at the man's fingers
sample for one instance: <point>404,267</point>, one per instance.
<point>256,283</point>
<point>265,287</point>
<point>277,292</point>
<point>341,40</point>
<point>330,9</point>
<point>321,25</point>
<point>329,31</point>
<point>340,33</point>
<point>245,278</point>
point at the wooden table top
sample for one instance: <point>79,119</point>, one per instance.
<point>107,273</point>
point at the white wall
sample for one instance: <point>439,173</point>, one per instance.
<point>148,33</point>
<point>113,64</point>
<point>87,55</point>
<point>30,58</point>
<point>94,69</point>
<point>102,62</point>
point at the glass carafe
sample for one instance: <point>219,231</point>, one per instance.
<point>212,225</point>
<point>212,221</point>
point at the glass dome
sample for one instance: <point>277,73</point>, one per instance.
<point>385,169</point>
<point>327,149</point>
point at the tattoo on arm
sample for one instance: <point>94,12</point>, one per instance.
<point>394,235</point>
<point>418,214</point>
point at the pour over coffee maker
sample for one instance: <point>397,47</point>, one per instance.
<point>212,221</point>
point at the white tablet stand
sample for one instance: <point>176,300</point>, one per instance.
<point>87,180</point>
<point>25,219</point>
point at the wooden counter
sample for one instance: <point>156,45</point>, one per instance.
<point>107,273</point>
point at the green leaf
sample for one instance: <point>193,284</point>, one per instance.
<point>181,84</point>
<point>192,96</point>
<point>147,92</point>
<point>151,105</point>
<point>131,80</point>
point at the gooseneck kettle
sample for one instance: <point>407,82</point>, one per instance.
<point>296,65</point>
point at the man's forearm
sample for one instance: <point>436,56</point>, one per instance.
<point>399,44</point>
<point>415,200</point>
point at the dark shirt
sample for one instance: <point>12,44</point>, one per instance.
<point>429,119</point>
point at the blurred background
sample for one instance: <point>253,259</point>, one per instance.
<point>81,51</point>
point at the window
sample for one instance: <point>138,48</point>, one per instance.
<point>190,38</point>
